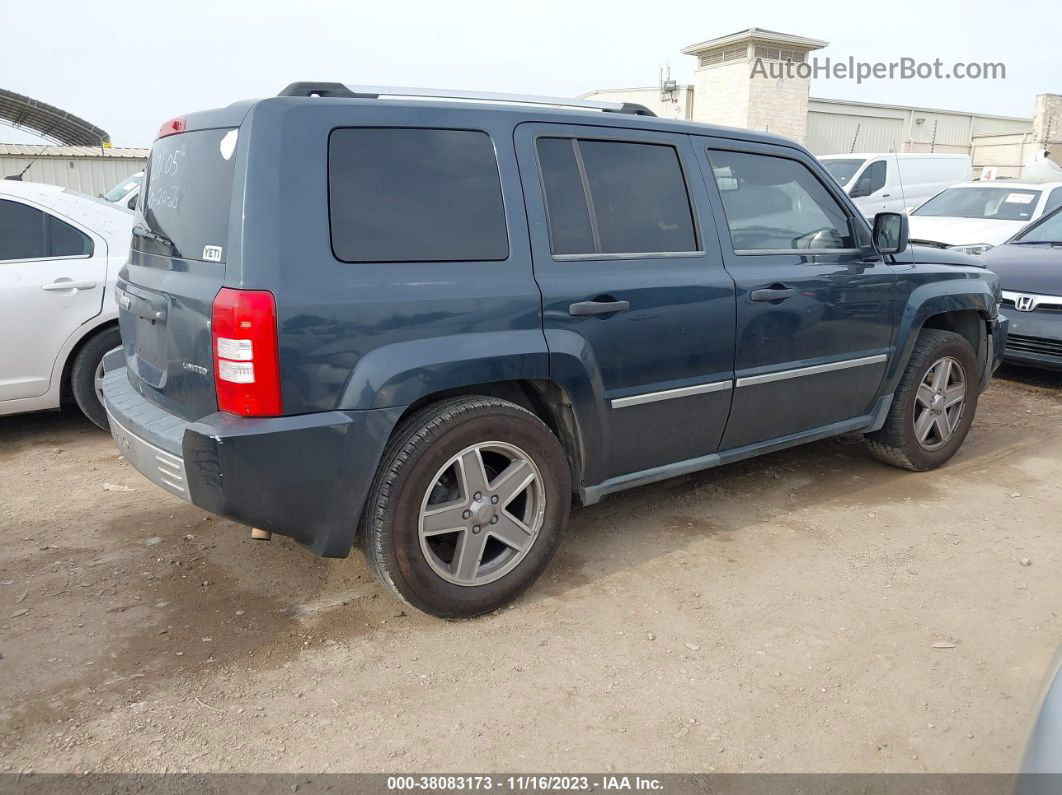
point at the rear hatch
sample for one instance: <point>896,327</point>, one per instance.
<point>176,267</point>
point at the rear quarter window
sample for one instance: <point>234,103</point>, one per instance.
<point>415,195</point>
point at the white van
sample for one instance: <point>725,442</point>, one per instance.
<point>896,182</point>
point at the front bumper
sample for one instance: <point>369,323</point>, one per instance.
<point>1035,338</point>
<point>305,476</point>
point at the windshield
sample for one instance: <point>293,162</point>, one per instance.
<point>997,204</point>
<point>843,170</point>
<point>188,195</point>
<point>119,191</point>
<point>1047,231</point>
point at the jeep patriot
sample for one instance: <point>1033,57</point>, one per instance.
<point>425,324</point>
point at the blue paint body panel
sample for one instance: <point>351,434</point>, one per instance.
<point>361,343</point>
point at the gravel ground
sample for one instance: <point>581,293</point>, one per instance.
<point>811,610</point>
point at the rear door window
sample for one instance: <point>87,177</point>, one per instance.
<point>188,195</point>
<point>22,231</point>
<point>615,197</point>
<point>415,195</point>
<point>29,233</point>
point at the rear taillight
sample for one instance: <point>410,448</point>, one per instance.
<point>172,127</point>
<point>246,361</point>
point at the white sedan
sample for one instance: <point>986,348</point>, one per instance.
<point>60,252</point>
<point>976,216</point>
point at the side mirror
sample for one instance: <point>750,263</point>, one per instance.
<point>891,232</point>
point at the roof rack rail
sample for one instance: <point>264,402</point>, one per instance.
<point>315,89</point>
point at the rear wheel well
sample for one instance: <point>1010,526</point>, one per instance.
<point>66,394</point>
<point>545,399</point>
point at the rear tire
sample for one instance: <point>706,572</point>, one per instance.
<point>87,371</point>
<point>468,506</point>
<point>933,406</point>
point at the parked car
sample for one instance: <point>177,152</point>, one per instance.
<point>1029,266</point>
<point>975,217</point>
<point>424,325</point>
<point>60,252</point>
<point>125,193</point>
<point>891,182</point>
<point>1041,769</point>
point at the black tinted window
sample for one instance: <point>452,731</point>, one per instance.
<point>188,194</point>
<point>777,203</point>
<point>1054,199</point>
<point>569,220</point>
<point>65,241</point>
<point>636,191</point>
<point>407,195</point>
<point>21,231</point>
<point>873,178</point>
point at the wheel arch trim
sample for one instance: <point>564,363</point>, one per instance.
<point>938,300</point>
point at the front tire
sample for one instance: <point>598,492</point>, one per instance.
<point>86,375</point>
<point>468,506</point>
<point>933,406</point>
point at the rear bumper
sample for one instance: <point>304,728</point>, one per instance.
<point>306,477</point>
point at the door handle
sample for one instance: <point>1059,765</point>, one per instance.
<point>67,284</point>
<point>588,308</point>
<point>772,293</point>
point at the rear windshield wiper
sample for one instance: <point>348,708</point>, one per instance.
<point>143,231</point>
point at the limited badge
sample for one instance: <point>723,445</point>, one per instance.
<point>212,253</point>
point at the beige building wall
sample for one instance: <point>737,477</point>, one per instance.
<point>721,94</point>
<point>1047,124</point>
<point>779,106</point>
<point>1009,151</point>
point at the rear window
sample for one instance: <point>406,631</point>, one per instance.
<point>415,195</point>
<point>188,194</point>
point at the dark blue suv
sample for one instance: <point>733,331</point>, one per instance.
<point>426,325</point>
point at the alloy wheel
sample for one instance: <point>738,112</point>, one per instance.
<point>482,513</point>
<point>939,403</point>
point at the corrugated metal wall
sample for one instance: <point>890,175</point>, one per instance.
<point>838,133</point>
<point>89,175</point>
<point>833,126</point>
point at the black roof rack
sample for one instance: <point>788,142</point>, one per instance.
<point>322,89</point>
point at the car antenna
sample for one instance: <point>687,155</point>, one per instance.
<point>18,177</point>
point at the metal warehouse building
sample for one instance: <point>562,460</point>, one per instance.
<point>87,169</point>
<point>80,157</point>
<point>726,91</point>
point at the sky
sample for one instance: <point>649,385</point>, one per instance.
<point>129,66</point>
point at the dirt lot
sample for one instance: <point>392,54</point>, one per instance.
<point>784,614</point>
